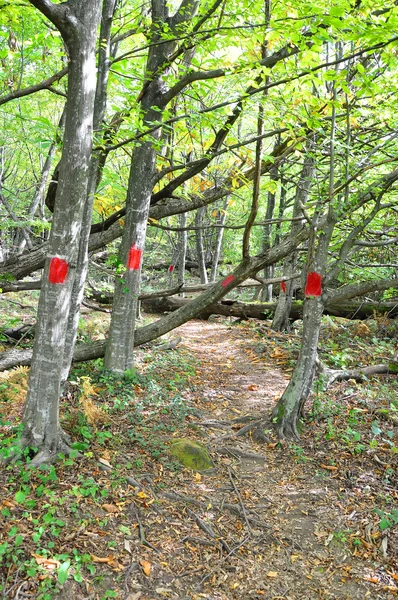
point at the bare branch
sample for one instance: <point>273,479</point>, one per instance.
<point>32,89</point>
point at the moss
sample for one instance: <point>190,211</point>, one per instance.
<point>192,455</point>
<point>281,412</point>
<point>393,368</point>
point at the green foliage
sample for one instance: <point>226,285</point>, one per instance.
<point>387,520</point>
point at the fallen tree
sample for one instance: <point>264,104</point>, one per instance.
<point>262,311</point>
<point>192,309</point>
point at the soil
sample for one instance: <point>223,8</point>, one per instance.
<point>271,521</point>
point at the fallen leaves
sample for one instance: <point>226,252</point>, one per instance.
<point>329,467</point>
<point>111,508</point>
<point>110,560</point>
<point>50,564</point>
<point>146,567</point>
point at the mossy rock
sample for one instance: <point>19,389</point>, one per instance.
<point>191,455</point>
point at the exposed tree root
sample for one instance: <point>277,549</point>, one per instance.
<point>287,430</point>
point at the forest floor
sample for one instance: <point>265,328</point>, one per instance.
<point>306,520</point>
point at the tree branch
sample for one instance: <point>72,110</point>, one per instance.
<point>351,290</point>
<point>32,89</point>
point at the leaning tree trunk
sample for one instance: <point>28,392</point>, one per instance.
<point>78,25</point>
<point>287,411</point>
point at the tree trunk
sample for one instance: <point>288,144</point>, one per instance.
<point>200,251</point>
<point>38,199</point>
<point>78,26</point>
<point>288,408</point>
<point>283,309</point>
<point>119,352</point>
<point>94,176</point>
<point>266,292</point>
<point>263,311</point>
<point>182,251</point>
<point>218,244</point>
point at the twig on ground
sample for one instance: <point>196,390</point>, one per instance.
<point>237,453</point>
<point>231,478</point>
<point>231,507</point>
<point>141,530</point>
<point>207,529</point>
<point>95,307</point>
<point>195,540</point>
<point>201,582</point>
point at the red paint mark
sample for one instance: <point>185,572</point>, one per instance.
<point>58,270</point>
<point>171,268</point>
<point>134,259</point>
<point>314,284</point>
<point>227,280</point>
<point>283,286</point>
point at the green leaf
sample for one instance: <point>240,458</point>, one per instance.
<point>376,429</point>
<point>384,524</point>
<point>63,572</point>
<point>20,497</point>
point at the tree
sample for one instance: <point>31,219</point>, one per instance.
<point>78,26</point>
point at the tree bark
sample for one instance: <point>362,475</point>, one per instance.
<point>119,352</point>
<point>200,250</point>
<point>283,309</point>
<point>264,310</point>
<point>78,26</point>
<point>100,101</point>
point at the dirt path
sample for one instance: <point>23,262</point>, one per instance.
<point>290,540</point>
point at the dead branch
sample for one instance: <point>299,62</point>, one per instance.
<point>231,476</point>
<point>330,376</point>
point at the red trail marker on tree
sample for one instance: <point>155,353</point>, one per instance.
<point>171,269</point>
<point>134,258</point>
<point>58,270</point>
<point>283,286</point>
<point>227,280</point>
<point>313,286</point>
